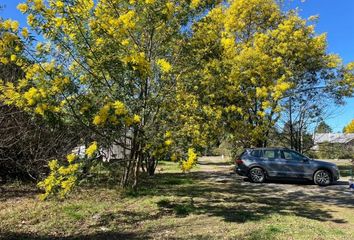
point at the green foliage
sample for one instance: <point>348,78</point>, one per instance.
<point>335,151</point>
<point>323,128</point>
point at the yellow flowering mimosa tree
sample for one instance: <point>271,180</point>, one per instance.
<point>107,66</point>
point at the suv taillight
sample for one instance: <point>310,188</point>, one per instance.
<point>239,161</point>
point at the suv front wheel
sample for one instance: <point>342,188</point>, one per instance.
<point>322,178</point>
<point>257,175</point>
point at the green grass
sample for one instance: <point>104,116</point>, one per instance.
<point>172,205</point>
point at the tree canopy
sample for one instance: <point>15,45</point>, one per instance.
<point>323,127</point>
<point>163,79</point>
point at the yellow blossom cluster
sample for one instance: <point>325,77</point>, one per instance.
<point>191,160</point>
<point>164,65</point>
<point>349,128</point>
<point>195,3</point>
<point>91,150</point>
<point>62,178</point>
<point>112,111</point>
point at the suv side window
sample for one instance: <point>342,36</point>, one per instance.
<point>270,154</point>
<point>291,155</point>
<point>256,153</point>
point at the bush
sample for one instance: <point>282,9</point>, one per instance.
<point>28,143</point>
<point>335,151</point>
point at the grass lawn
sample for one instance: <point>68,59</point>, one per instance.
<point>208,203</point>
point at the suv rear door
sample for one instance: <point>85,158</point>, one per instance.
<point>272,161</point>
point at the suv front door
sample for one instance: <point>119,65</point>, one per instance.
<point>295,163</point>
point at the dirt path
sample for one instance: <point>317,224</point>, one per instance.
<point>216,169</point>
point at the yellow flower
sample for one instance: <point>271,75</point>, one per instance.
<point>31,96</point>
<point>71,157</point>
<point>30,19</point>
<point>25,32</point>
<point>102,116</point>
<point>13,58</point>
<point>99,41</point>
<point>97,120</point>
<point>58,22</point>
<point>168,142</point>
<point>169,6</point>
<point>59,4</point>
<point>4,60</point>
<point>127,19</point>
<point>41,108</point>
<point>119,108</point>
<point>38,4</point>
<point>136,118</point>
<point>91,150</point>
<point>14,26</point>
<point>195,3</point>
<point>168,134</point>
<point>7,24</point>
<point>150,1</point>
<point>187,164</point>
<point>164,65</point>
<point>23,7</point>
<point>125,42</point>
<point>53,164</point>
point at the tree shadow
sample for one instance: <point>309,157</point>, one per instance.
<point>95,236</point>
<point>236,200</point>
<point>11,191</point>
<point>224,163</point>
<point>217,194</point>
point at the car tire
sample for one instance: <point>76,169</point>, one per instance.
<point>257,175</point>
<point>322,177</point>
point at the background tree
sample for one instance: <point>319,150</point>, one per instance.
<point>253,62</point>
<point>323,127</point>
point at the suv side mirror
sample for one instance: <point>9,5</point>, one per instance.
<point>305,160</point>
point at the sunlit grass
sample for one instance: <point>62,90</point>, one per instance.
<point>184,206</point>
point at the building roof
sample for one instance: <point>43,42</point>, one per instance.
<point>333,138</point>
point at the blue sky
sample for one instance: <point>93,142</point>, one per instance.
<point>336,19</point>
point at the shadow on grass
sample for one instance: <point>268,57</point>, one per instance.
<point>96,236</point>
<point>238,201</point>
<point>223,163</point>
<point>202,193</point>
<point>180,209</point>
<point>15,191</point>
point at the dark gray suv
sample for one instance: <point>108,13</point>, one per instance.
<point>261,163</point>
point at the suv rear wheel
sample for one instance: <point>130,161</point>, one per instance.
<point>257,175</point>
<point>322,178</point>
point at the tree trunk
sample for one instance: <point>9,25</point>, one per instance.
<point>152,166</point>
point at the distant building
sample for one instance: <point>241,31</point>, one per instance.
<point>115,152</point>
<point>346,139</point>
